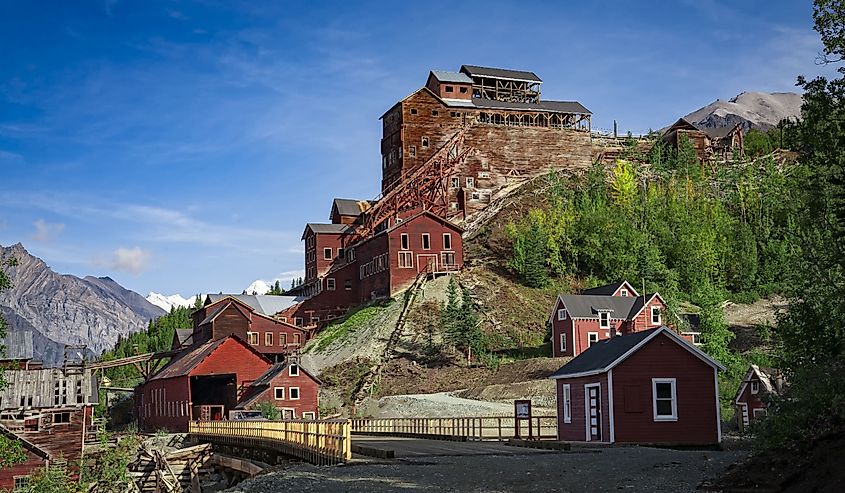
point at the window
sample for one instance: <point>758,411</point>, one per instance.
<point>327,253</point>
<point>330,284</point>
<point>450,89</point>
<point>484,174</point>
<point>413,111</point>
<point>567,404</point>
<point>293,370</point>
<point>293,392</point>
<point>470,182</point>
<point>21,482</point>
<point>453,206</point>
<point>456,182</point>
<point>283,339</point>
<point>309,415</point>
<point>297,321</point>
<point>695,337</point>
<point>279,393</point>
<point>412,151</point>
<point>454,114</point>
<point>434,112</point>
<point>268,338</point>
<point>463,90</point>
<point>252,338</point>
<point>425,142</point>
<point>664,399</point>
<point>405,242</point>
<point>340,253</point>
<point>297,339</point>
<point>561,314</point>
<point>623,292</point>
<point>315,320</point>
<point>61,418</point>
<point>604,320</point>
<point>350,255</point>
<point>406,260</point>
<point>426,241</point>
<point>592,338</point>
<point>563,343</point>
<point>755,386</point>
<point>347,284</point>
<point>447,241</point>
<point>759,413</point>
<point>655,315</point>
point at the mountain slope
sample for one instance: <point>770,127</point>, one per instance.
<point>758,110</point>
<point>63,309</point>
<point>167,303</point>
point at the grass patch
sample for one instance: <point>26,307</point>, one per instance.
<point>351,322</point>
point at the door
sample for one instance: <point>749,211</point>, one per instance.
<point>745,415</point>
<point>593,408</point>
<point>426,263</point>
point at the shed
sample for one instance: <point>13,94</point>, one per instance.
<point>649,387</point>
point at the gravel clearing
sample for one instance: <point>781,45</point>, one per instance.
<point>439,405</point>
<point>615,468</point>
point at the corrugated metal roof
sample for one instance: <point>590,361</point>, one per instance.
<point>500,73</point>
<point>265,304</point>
<point>182,364</point>
<point>328,228</point>
<point>456,77</point>
<point>182,335</point>
<point>350,207</point>
<point>606,290</point>
<point>601,354</point>
<point>552,106</point>
<point>587,306</point>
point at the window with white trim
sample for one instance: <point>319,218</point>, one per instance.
<point>664,399</point>
<point>567,404</point>
<point>293,393</point>
<point>309,415</point>
<point>293,370</point>
<point>268,338</point>
<point>405,242</point>
<point>561,314</point>
<point>604,320</point>
<point>470,182</point>
<point>759,413</point>
<point>623,292</point>
<point>456,182</point>
<point>279,393</point>
<point>330,284</point>
<point>755,386</point>
<point>327,253</point>
<point>297,321</point>
<point>592,338</point>
<point>252,338</point>
<point>484,174</point>
<point>406,260</point>
<point>447,241</point>
<point>424,142</point>
<point>563,342</point>
<point>412,151</point>
<point>655,315</point>
<point>426,241</point>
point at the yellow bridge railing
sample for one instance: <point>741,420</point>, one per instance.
<point>470,428</point>
<point>319,442</point>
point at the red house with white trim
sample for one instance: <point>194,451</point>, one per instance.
<point>290,388</point>
<point>649,387</point>
<point>750,399</point>
<point>579,321</point>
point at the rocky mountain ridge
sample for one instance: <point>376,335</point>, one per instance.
<point>758,110</point>
<point>59,309</point>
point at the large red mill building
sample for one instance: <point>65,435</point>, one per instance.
<point>448,149</point>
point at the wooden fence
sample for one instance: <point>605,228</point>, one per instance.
<point>319,442</point>
<point>468,428</point>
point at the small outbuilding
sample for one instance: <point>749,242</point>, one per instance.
<point>288,387</point>
<point>751,400</point>
<point>649,387</point>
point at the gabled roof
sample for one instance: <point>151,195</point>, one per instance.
<point>587,306</point>
<point>717,133</point>
<point>263,382</point>
<point>609,289</point>
<point>185,362</point>
<point>408,219</point>
<point>319,228</point>
<point>184,336</point>
<point>350,207</point>
<point>454,77</point>
<point>606,354</point>
<point>766,376</point>
<point>499,73</point>
<point>263,304</point>
<point>210,316</point>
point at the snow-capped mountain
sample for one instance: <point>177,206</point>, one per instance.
<point>167,302</point>
<point>259,287</point>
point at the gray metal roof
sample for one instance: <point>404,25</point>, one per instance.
<point>183,335</point>
<point>350,207</point>
<point>500,73</point>
<point>587,306</point>
<point>456,77</point>
<point>606,290</point>
<point>265,304</point>
<point>553,106</point>
<point>601,354</point>
<point>328,228</point>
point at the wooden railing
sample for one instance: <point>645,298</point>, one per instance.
<point>469,428</point>
<point>319,442</point>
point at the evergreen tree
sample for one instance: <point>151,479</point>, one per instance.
<point>11,451</point>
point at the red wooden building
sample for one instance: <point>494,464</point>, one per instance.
<point>751,398</point>
<point>579,321</point>
<point>287,386</point>
<point>650,387</point>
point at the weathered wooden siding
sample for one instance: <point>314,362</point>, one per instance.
<point>576,430</point>
<point>234,320</point>
<point>26,468</point>
<point>401,277</point>
<point>164,404</point>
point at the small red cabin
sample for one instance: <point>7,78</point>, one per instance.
<point>649,387</point>
<point>291,389</point>
<point>751,398</point>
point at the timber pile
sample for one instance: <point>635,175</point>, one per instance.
<point>171,472</point>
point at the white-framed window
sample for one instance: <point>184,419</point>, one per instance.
<point>755,386</point>
<point>567,404</point>
<point>309,415</point>
<point>470,182</point>
<point>293,370</point>
<point>475,196</point>
<point>695,337</point>
<point>252,338</point>
<point>604,320</point>
<point>405,242</point>
<point>424,142</point>
<point>327,253</point>
<point>759,413</point>
<point>484,174</point>
<point>623,292</point>
<point>664,399</point>
<point>268,338</point>
<point>283,339</point>
<point>330,284</point>
<point>297,321</point>
<point>412,151</point>
<point>447,258</point>
<point>561,314</point>
<point>456,182</point>
<point>315,320</point>
<point>406,260</point>
<point>434,112</point>
<point>279,393</point>
<point>293,393</point>
<point>447,241</point>
<point>563,342</point>
<point>426,241</point>
<point>655,315</point>
<point>21,482</point>
<point>592,338</point>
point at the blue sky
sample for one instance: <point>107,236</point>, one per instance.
<point>181,146</point>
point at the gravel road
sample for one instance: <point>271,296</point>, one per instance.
<point>618,468</point>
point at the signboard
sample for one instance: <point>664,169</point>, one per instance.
<point>523,409</point>
<point>522,412</point>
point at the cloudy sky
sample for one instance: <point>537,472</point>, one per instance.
<point>181,146</point>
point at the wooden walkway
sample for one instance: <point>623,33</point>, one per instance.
<point>478,428</point>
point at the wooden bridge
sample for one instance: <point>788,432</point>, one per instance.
<point>478,428</point>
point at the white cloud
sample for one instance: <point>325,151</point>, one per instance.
<point>132,260</point>
<point>45,231</point>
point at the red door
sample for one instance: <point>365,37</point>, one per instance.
<point>593,413</point>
